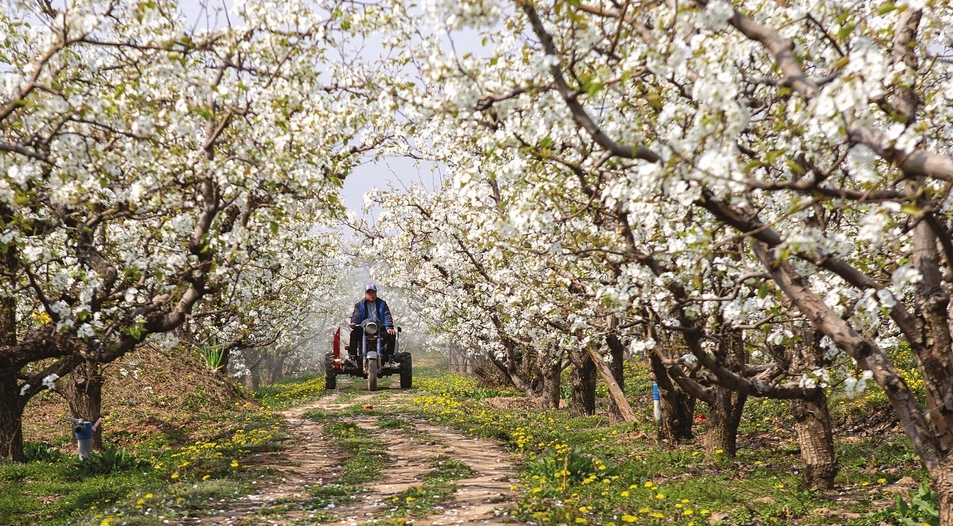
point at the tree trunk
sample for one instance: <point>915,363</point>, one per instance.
<point>727,405</point>
<point>253,379</point>
<point>253,359</point>
<point>11,417</point>
<point>269,364</point>
<point>813,425</point>
<point>617,413</point>
<point>615,392</point>
<point>942,477</point>
<point>278,370</point>
<point>812,418</point>
<point>549,370</point>
<point>223,364</point>
<point>83,390</point>
<point>583,383</point>
<point>678,408</point>
<point>723,421</point>
<point>11,404</point>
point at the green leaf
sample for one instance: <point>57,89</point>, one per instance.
<point>910,209</point>
<point>846,31</point>
<point>752,165</point>
<point>594,87</point>
<point>795,167</point>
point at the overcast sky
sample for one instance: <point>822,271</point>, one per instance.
<point>401,173</point>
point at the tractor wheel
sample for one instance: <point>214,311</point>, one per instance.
<point>406,371</point>
<point>330,378</point>
<point>372,375</point>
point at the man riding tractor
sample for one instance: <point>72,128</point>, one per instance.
<point>372,350</point>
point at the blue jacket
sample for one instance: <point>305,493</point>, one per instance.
<point>383,313</point>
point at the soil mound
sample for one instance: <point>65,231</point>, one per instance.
<point>146,393</point>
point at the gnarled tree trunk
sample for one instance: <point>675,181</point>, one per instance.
<point>11,407</point>
<point>11,415</point>
<point>549,371</point>
<point>583,382</point>
<point>813,425</point>
<point>813,419</point>
<point>726,405</point>
<point>617,413</point>
<point>721,438</point>
<point>678,408</point>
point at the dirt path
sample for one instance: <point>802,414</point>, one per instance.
<point>312,461</point>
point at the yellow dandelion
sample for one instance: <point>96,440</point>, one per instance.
<point>629,518</point>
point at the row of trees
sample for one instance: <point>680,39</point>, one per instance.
<point>162,179</point>
<point>756,194</point>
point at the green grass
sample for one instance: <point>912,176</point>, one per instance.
<point>160,480</point>
<point>291,391</point>
<point>573,470</point>
<point>43,492</point>
<point>649,484</point>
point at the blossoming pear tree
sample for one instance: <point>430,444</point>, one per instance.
<point>815,133</point>
<point>265,312</point>
<point>478,288</point>
<point>146,161</point>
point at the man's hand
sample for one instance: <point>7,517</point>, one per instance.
<point>353,325</point>
<point>391,331</point>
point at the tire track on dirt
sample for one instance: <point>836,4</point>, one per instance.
<point>313,460</point>
<point>480,499</point>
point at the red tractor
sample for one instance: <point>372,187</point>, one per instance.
<point>368,361</point>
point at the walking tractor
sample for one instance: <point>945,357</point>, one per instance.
<point>370,360</point>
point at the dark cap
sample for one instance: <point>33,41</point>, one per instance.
<point>369,287</point>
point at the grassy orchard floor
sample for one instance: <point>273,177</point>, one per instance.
<point>575,470</point>
<point>619,474</point>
